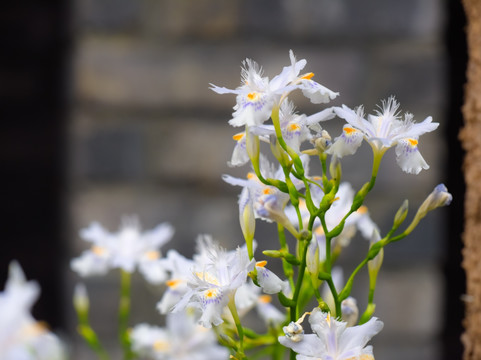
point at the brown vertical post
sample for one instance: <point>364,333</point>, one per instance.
<point>471,141</point>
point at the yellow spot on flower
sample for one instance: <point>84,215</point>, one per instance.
<point>99,250</point>
<point>211,293</point>
<point>261,263</point>
<point>362,210</point>
<point>34,329</point>
<point>308,76</point>
<point>319,231</point>
<point>173,283</point>
<point>152,255</point>
<point>251,176</point>
<point>253,96</point>
<point>362,357</point>
<point>265,299</point>
<point>293,127</point>
<point>268,191</point>
<point>328,319</point>
<point>207,277</point>
<point>349,130</point>
<point>161,346</point>
<point>413,142</point>
<point>238,137</point>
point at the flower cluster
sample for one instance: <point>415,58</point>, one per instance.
<point>208,299</point>
<point>127,249</point>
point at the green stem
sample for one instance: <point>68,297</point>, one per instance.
<point>327,262</point>
<point>335,295</point>
<point>89,335</point>
<point>347,288</point>
<point>284,247</point>
<point>300,277</point>
<point>376,162</point>
<point>240,329</point>
<point>124,313</point>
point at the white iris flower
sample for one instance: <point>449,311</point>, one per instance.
<point>383,130</point>
<point>21,337</point>
<point>127,249</point>
<point>333,340</point>
<point>257,95</point>
<point>181,339</point>
<point>211,288</point>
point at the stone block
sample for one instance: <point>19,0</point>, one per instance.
<point>367,20</point>
<point>173,20</point>
<point>107,16</point>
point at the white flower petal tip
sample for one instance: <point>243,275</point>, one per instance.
<point>269,282</point>
<point>317,93</point>
<point>346,144</point>
<point>332,339</point>
<point>409,158</point>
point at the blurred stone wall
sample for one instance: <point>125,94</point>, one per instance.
<point>148,137</point>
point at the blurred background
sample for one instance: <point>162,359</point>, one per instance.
<point>107,112</point>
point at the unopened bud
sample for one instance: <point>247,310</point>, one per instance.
<point>252,146</point>
<point>401,214</point>
<point>272,253</point>
<point>439,197</point>
<point>278,151</point>
<point>80,297</point>
<point>375,264</point>
<point>350,311</point>
<point>335,168</point>
<point>81,303</point>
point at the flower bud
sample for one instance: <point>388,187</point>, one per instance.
<point>401,214</point>
<point>80,297</point>
<point>439,197</point>
<point>252,147</point>
<point>335,168</point>
<point>312,258</point>
<point>272,253</point>
<point>81,302</point>
<point>375,264</point>
<point>247,219</point>
<point>278,151</point>
<point>350,311</point>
